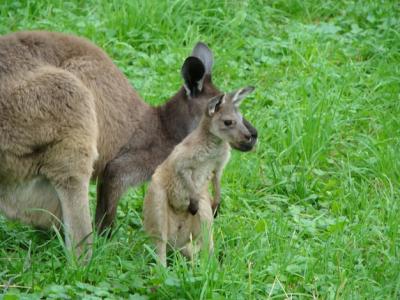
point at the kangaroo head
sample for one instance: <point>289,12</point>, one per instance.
<point>183,112</point>
<point>197,83</point>
<point>227,123</point>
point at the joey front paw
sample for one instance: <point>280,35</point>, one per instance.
<point>193,206</point>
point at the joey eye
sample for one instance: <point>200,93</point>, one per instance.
<point>228,122</point>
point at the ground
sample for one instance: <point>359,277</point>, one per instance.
<point>313,213</point>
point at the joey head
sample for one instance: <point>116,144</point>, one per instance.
<point>225,125</point>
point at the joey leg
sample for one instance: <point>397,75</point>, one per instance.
<point>193,247</point>
<point>205,227</point>
<point>189,250</point>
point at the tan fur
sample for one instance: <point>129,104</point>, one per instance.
<point>56,119</point>
<point>178,202</point>
<point>67,114</point>
<point>50,125</point>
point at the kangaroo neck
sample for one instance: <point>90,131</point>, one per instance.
<point>175,118</point>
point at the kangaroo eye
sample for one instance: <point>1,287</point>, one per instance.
<point>228,122</point>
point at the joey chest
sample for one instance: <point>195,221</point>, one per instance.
<point>198,174</point>
<point>205,164</point>
<point>202,174</point>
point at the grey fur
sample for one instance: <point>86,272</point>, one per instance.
<point>68,115</point>
<point>178,203</point>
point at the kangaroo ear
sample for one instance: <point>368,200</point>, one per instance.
<point>239,95</point>
<point>214,104</point>
<point>202,52</point>
<point>193,72</point>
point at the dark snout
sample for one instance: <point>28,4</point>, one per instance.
<point>249,139</point>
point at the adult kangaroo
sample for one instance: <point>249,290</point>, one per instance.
<point>67,114</point>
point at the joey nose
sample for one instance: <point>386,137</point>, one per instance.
<point>251,129</point>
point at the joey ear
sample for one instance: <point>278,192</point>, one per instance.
<point>214,104</point>
<point>239,95</point>
<point>202,52</point>
<point>193,72</point>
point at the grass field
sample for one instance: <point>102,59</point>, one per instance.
<point>313,213</point>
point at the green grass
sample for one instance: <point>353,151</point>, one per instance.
<point>313,213</point>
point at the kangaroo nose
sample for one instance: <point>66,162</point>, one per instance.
<point>247,136</point>
<point>254,134</point>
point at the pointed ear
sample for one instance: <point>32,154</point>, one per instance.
<point>214,104</point>
<point>202,52</point>
<point>193,72</point>
<point>239,95</point>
